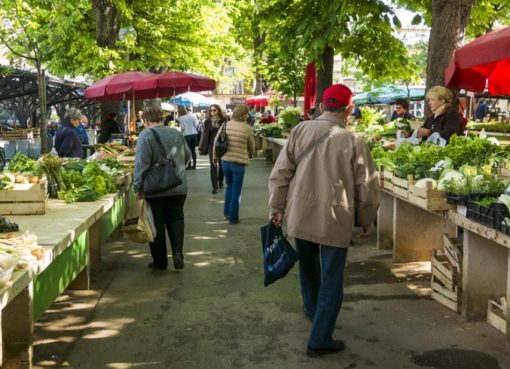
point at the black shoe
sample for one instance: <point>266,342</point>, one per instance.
<point>337,347</point>
<point>215,190</point>
<point>178,261</point>
<point>156,267</point>
<point>194,166</point>
<point>221,185</point>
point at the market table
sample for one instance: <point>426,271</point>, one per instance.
<point>413,232</point>
<point>72,235</point>
<point>275,144</point>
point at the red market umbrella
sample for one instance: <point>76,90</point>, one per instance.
<point>310,88</point>
<point>117,86</point>
<point>172,83</point>
<point>260,100</point>
<point>484,61</point>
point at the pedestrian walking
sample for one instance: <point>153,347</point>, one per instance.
<point>189,125</point>
<point>168,206</point>
<point>214,121</point>
<point>323,176</point>
<point>67,138</point>
<point>241,146</point>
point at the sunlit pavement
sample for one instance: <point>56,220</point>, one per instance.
<point>216,313</point>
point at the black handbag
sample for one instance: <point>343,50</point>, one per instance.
<point>161,176</point>
<point>221,145</point>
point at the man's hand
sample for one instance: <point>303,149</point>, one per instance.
<point>215,162</point>
<point>139,195</point>
<point>367,231</point>
<point>423,132</point>
<point>276,218</point>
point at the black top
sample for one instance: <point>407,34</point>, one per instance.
<point>109,127</point>
<point>446,124</point>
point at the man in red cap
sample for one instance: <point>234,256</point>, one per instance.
<point>323,177</point>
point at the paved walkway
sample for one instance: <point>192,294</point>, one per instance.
<point>216,313</point>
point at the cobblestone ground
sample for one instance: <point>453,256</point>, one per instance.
<point>216,313</point>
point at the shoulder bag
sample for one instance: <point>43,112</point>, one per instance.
<point>161,176</point>
<point>221,145</point>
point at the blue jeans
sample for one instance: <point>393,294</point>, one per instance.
<point>322,288</point>
<point>234,177</point>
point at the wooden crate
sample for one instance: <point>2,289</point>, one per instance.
<point>428,198</point>
<point>453,250</point>
<point>496,314</point>
<point>25,199</point>
<point>386,177</point>
<point>445,281</point>
<point>401,186</point>
<point>126,159</point>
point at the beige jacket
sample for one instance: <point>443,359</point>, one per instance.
<point>321,195</point>
<point>241,144</point>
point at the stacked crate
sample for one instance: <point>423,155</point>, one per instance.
<point>446,280</point>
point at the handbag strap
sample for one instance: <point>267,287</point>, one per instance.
<point>312,147</point>
<point>315,144</point>
<point>158,141</point>
<point>223,130</point>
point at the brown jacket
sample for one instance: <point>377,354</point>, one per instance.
<point>321,195</point>
<point>241,144</point>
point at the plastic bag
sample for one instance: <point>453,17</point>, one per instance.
<point>279,256</point>
<point>139,225</point>
<point>436,139</point>
<point>414,139</point>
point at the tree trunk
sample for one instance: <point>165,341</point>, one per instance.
<point>107,32</point>
<point>325,73</point>
<point>260,84</point>
<point>41,83</point>
<point>107,23</point>
<point>449,20</point>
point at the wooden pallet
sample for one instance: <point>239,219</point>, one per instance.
<point>496,314</point>
<point>428,198</point>
<point>25,199</point>
<point>445,281</point>
<point>401,186</point>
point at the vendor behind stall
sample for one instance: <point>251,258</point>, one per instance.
<point>445,118</point>
<point>401,110</point>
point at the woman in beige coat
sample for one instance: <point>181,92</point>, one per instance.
<point>241,146</point>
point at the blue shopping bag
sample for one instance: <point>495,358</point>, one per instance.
<point>279,256</point>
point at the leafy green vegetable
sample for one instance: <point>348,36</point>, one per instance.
<point>21,163</point>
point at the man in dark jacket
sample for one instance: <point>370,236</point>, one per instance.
<point>109,127</point>
<point>67,141</point>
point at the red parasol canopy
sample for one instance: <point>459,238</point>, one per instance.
<point>260,100</point>
<point>485,59</point>
<point>117,86</point>
<point>310,88</point>
<point>172,83</point>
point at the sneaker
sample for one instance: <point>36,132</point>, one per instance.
<point>316,352</point>
<point>178,260</point>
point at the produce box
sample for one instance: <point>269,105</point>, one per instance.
<point>446,281</point>
<point>453,250</point>
<point>25,199</point>
<point>401,186</point>
<point>126,159</point>
<point>492,216</point>
<point>496,314</point>
<point>386,178</point>
<point>428,198</point>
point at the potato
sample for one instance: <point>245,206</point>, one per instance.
<point>20,179</point>
<point>34,179</point>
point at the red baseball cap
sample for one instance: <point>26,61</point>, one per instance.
<point>337,96</point>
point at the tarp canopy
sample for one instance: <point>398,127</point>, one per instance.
<point>484,62</point>
<point>191,99</point>
<point>389,94</point>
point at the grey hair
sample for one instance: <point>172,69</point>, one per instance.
<point>73,113</point>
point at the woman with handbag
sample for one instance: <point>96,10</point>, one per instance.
<point>240,149</point>
<point>215,120</point>
<point>156,144</point>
